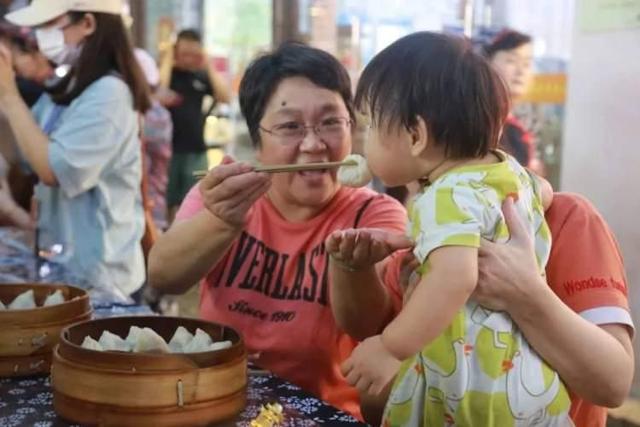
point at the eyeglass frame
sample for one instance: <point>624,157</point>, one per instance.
<point>306,128</point>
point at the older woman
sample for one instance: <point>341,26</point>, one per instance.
<point>258,240</point>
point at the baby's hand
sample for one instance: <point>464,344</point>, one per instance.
<point>371,367</point>
<point>357,249</point>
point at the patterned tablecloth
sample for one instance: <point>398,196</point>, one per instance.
<point>28,401</point>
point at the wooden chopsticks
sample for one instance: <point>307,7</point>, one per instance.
<point>290,168</point>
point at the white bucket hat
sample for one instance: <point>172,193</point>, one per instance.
<point>42,11</point>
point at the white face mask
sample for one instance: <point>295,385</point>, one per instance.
<point>51,44</point>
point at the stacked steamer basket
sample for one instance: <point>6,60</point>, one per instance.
<point>28,336</point>
<point>111,388</point>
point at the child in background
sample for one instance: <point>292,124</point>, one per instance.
<point>437,112</point>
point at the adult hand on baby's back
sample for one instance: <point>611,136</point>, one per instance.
<point>230,189</point>
<point>507,273</point>
<point>360,248</point>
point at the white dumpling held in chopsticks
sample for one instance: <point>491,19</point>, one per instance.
<point>356,174</point>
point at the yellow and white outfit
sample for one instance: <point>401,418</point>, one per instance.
<point>480,371</point>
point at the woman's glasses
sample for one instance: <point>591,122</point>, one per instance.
<point>329,130</point>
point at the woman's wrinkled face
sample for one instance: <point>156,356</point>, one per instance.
<point>297,103</point>
<point>515,66</point>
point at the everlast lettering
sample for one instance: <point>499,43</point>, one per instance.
<point>262,270</point>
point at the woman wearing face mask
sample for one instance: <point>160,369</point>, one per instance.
<point>83,144</point>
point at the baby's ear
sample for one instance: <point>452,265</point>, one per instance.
<point>419,137</point>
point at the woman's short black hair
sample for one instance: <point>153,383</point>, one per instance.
<point>506,40</point>
<point>291,59</point>
<point>442,80</point>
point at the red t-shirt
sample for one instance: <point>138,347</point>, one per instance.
<point>585,270</point>
<point>273,287</point>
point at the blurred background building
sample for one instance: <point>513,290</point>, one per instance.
<point>236,30</point>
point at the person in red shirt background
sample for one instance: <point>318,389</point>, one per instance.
<point>511,54</point>
<point>580,323</point>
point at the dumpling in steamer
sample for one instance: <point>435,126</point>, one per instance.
<point>112,342</point>
<point>54,299</point>
<point>132,337</point>
<point>24,301</point>
<point>220,345</point>
<point>148,340</point>
<point>91,344</point>
<point>181,338</point>
<point>200,342</point>
<point>355,175</point>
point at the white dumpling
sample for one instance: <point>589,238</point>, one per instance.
<point>23,301</point>
<point>220,345</point>
<point>149,341</point>
<point>54,299</point>
<point>132,337</point>
<point>200,342</point>
<point>181,338</point>
<point>354,175</point>
<point>91,344</point>
<point>113,342</point>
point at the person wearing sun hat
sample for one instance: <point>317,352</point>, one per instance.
<point>42,11</point>
<point>81,140</point>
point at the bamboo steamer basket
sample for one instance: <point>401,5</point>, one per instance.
<point>110,388</point>
<point>27,337</point>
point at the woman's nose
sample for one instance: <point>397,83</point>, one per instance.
<point>312,142</point>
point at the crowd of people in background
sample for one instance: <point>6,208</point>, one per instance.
<point>184,89</point>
